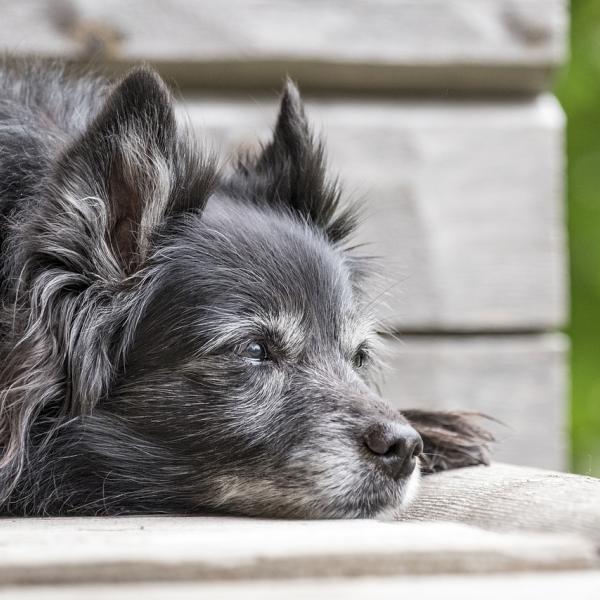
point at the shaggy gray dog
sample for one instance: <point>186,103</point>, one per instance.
<point>177,339</point>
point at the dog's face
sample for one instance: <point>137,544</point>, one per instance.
<point>253,359</point>
<point>236,337</point>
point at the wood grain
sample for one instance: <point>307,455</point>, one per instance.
<point>510,498</point>
<point>582,585</point>
<point>488,45</point>
<point>130,549</point>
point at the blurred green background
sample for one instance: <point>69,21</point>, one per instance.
<point>578,89</point>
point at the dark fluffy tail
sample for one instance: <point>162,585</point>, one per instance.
<point>450,439</point>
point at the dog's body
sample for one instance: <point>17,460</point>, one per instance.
<point>174,339</point>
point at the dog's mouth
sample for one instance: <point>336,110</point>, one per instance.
<point>410,489</point>
<point>340,495</point>
<point>328,476</point>
<point>383,498</point>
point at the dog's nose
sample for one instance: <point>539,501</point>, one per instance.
<point>396,446</point>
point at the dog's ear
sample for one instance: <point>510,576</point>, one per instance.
<point>290,171</point>
<point>131,161</point>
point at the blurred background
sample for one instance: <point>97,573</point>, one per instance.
<point>578,89</point>
<point>448,118</point>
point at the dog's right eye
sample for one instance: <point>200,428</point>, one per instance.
<point>255,351</point>
<point>359,358</point>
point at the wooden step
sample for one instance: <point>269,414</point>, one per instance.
<point>138,549</point>
<point>583,585</point>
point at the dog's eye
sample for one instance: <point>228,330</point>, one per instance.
<point>359,358</point>
<point>255,351</point>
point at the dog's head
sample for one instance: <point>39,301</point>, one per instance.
<point>215,331</point>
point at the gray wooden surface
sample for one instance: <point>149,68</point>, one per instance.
<point>519,380</point>
<point>463,201</point>
<point>582,585</point>
<point>103,550</point>
<point>512,498</point>
<point>500,45</point>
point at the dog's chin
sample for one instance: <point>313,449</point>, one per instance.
<point>387,502</point>
<point>378,497</point>
<point>410,489</point>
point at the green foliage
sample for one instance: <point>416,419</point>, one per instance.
<point>578,89</point>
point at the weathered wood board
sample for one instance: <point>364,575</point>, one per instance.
<point>519,380</point>
<point>103,550</point>
<point>493,45</point>
<point>505,497</point>
<point>583,585</point>
<point>463,200</point>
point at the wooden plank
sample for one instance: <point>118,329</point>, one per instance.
<point>80,550</point>
<point>519,380</point>
<point>342,44</point>
<point>516,586</point>
<point>511,498</point>
<point>463,201</point>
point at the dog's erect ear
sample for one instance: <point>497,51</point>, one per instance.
<point>290,171</point>
<point>127,160</point>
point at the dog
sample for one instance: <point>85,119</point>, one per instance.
<point>179,337</point>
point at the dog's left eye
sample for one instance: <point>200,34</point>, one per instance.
<point>255,351</point>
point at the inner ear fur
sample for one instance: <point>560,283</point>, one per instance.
<point>290,172</point>
<point>134,159</point>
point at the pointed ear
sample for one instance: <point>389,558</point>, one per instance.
<point>290,171</point>
<point>129,159</point>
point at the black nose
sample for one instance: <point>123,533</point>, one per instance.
<point>396,446</point>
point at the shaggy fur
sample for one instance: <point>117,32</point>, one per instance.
<point>174,338</point>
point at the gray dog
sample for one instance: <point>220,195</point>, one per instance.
<point>177,339</point>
